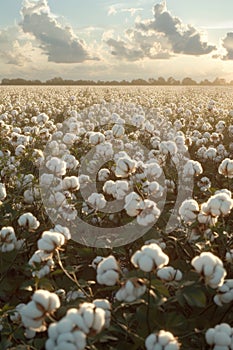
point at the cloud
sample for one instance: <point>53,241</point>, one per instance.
<point>114,9</point>
<point>59,43</point>
<point>159,37</point>
<point>227,43</point>
<point>15,47</point>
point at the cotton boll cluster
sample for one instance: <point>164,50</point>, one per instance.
<point>131,290</point>
<point>189,210</point>
<point>72,330</point>
<point>224,293</point>
<point>28,220</point>
<point>56,166</point>
<point>149,258</point>
<point>8,240</point>
<point>211,268</point>
<point>220,337</point>
<point>162,340</point>
<point>33,313</point>
<point>168,274</point>
<point>108,271</point>
<point>226,168</point>
<point>220,203</point>
<point>42,260</point>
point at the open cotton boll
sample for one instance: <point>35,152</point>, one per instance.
<point>192,168</point>
<point>189,210</point>
<point>168,147</point>
<point>150,257</point>
<point>106,306</point>
<point>152,170</point>
<point>121,188</point>
<point>149,212</point>
<point>104,150</point>
<point>162,340</point>
<point>132,204</point>
<point>118,130</point>
<point>50,241</point>
<point>63,230</point>
<point>108,271</point>
<point>131,290</point>
<point>125,166</point>
<point>110,187</point>
<point>168,273</point>
<point>70,183</point>
<point>7,239</point>
<point>103,174</point>
<point>56,166</point>
<point>220,337</point>
<point>226,168</point>
<point>224,293</point>
<point>28,220</point>
<point>2,191</point>
<point>46,300</point>
<point>96,138</point>
<point>97,201</point>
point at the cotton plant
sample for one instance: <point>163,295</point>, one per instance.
<point>211,268</point>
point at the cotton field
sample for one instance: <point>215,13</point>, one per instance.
<point>116,218</point>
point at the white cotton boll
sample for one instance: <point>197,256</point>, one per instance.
<point>172,346</point>
<point>165,337</point>
<point>110,187</point>
<point>28,220</point>
<point>189,210</point>
<point>209,336</point>
<point>97,201</point>
<point>168,273</point>
<point>124,167</point>
<point>69,139</point>
<point>63,230</point>
<point>50,241</point>
<point>121,188</point>
<point>84,180</point>
<point>192,168</point>
<point>118,130</point>
<point>2,191</point>
<point>166,147</point>
<point>96,138</point>
<point>108,271</point>
<point>109,278</point>
<point>80,340</point>
<point>217,279</point>
<point>103,174</point>
<point>132,202</point>
<point>149,212</point>
<point>48,301</point>
<point>70,183</point>
<point>96,261</point>
<point>29,333</point>
<point>47,180</point>
<point>153,170</point>
<point>104,150</point>
<point>56,166</point>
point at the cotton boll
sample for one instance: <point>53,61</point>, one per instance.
<point>132,204</point>
<point>118,130</point>
<point>70,183</point>
<point>149,212</point>
<point>103,174</point>
<point>168,273</point>
<point>56,166</point>
<point>28,220</point>
<point>124,167</point>
<point>97,201</point>
<point>96,138</point>
<point>189,210</point>
<point>108,271</point>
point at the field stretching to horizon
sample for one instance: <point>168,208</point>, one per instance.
<point>116,218</point>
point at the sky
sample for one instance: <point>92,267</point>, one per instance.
<point>116,40</point>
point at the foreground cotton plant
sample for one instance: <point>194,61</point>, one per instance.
<point>33,314</point>
<point>211,268</point>
<point>149,258</point>
<point>131,290</point>
<point>220,337</point>
<point>162,340</point>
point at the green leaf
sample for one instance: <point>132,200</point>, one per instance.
<point>195,297</point>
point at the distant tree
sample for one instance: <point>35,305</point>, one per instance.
<point>188,81</point>
<point>205,82</point>
<point>219,81</point>
<point>172,81</point>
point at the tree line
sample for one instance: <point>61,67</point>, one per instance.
<point>151,81</point>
